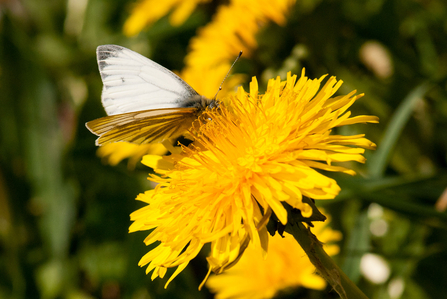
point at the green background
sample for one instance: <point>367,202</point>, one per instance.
<point>64,214</point>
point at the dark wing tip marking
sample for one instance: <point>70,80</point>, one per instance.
<point>104,52</point>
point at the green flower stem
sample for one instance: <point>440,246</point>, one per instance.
<point>326,266</point>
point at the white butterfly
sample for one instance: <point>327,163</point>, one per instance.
<point>144,101</point>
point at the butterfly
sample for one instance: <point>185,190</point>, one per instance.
<point>145,102</point>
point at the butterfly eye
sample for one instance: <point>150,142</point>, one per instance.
<point>214,104</point>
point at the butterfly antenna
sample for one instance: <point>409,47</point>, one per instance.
<point>220,87</point>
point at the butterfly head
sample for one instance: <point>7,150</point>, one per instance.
<point>201,103</point>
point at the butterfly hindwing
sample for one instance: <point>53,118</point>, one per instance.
<point>133,82</point>
<point>142,127</point>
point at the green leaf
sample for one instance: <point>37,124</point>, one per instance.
<point>379,160</point>
<point>358,243</point>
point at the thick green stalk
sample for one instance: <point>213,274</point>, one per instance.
<point>325,265</point>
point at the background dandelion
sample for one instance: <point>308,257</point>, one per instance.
<point>285,268</point>
<point>64,215</point>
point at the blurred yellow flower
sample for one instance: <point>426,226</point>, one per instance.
<point>208,85</point>
<point>285,266</point>
<point>250,156</point>
<point>113,153</point>
<point>234,28</point>
<point>146,12</point>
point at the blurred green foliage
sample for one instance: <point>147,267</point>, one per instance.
<point>64,214</point>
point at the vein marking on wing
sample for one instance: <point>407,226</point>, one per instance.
<point>142,126</point>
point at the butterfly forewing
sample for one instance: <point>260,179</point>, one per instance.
<point>142,127</point>
<point>133,82</point>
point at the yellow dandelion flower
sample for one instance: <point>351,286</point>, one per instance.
<point>250,157</point>
<point>285,266</point>
<point>146,12</point>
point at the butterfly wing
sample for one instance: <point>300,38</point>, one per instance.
<point>142,127</point>
<point>133,82</point>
